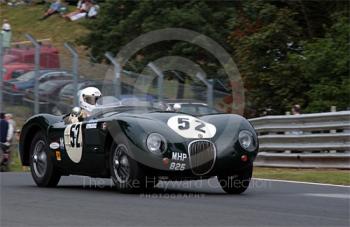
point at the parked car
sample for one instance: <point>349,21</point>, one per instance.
<point>13,71</point>
<point>66,95</point>
<point>48,92</point>
<point>14,89</point>
<point>191,107</point>
<point>49,56</point>
<point>136,146</point>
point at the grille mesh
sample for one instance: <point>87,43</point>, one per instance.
<point>202,155</point>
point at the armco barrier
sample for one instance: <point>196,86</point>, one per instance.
<point>304,141</point>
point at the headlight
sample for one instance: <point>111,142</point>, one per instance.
<point>156,143</point>
<point>246,140</point>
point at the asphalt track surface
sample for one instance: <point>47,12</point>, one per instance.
<point>83,201</point>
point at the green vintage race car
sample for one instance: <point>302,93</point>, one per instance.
<point>136,145</point>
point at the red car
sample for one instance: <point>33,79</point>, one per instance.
<point>49,56</point>
<point>12,71</point>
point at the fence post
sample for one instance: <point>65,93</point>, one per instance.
<point>160,75</point>
<point>181,85</point>
<point>333,109</point>
<point>1,73</point>
<point>75,61</point>
<point>37,68</point>
<point>117,71</point>
<point>210,88</point>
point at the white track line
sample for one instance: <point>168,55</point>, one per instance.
<point>336,196</point>
<point>303,182</point>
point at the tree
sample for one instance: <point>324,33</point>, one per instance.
<point>263,35</point>
<point>325,66</point>
<point>121,21</point>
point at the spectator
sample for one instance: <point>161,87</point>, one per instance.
<point>83,8</point>
<point>9,119</point>
<point>6,130</point>
<point>94,9</point>
<point>54,8</point>
<point>296,109</point>
<point>6,134</point>
<point>6,34</point>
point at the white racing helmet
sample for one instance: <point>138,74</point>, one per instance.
<point>177,107</point>
<point>88,98</point>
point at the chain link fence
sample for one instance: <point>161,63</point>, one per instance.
<point>46,83</point>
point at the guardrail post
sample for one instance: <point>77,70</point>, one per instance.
<point>117,71</point>
<point>37,68</point>
<point>160,75</point>
<point>1,74</point>
<point>75,61</point>
<point>333,109</point>
<point>210,88</point>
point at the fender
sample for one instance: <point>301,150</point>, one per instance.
<point>40,122</point>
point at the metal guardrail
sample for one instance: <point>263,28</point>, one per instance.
<point>331,161</point>
<point>320,140</point>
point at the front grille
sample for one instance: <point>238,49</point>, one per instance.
<point>202,154</point>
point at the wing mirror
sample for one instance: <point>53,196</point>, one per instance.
<point>76,111</point>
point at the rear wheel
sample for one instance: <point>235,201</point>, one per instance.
<point>126,173</point>
<point>41,163</point>
<point>236,184</point>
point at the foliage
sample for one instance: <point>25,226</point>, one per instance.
<point>287,51</point>
<point>122,21</point>
<point>325,66</point>
<point>261,50</point>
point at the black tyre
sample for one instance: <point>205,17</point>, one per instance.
<point>126,173</point>
<point>236,184</point>
<point>41,163</point>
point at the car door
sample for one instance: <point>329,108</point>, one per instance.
<point>81,147</point>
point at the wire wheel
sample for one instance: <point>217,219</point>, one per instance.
<point>40,159</point>
<point>121,164</point>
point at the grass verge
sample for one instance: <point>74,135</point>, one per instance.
<point>328,176</point>
<point>25,19</point>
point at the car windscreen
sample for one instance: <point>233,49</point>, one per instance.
<point>51,85</point>
<point>197,109</point>
<point>27,76</point>
<point>67,90</point>
<point>108,101</point>
<point>202,110</point>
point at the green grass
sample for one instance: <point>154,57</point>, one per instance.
<point>24,19</point>
<point>16,165</point>
<point>329,176</point>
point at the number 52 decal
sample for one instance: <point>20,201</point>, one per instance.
<point>73,141</point>
<point>191,127</point>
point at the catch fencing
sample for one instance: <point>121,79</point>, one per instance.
<point>67,62</point>
<point>319,140</point>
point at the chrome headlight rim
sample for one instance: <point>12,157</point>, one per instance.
<point>246,136</point>
<point>156,143</point>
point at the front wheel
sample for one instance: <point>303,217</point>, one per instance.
<point>41,163</point>
<point>236,184</point>
<point>126,173</point>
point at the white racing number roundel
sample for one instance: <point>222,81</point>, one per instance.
<point>191,127</point>
<point>73,141</point>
